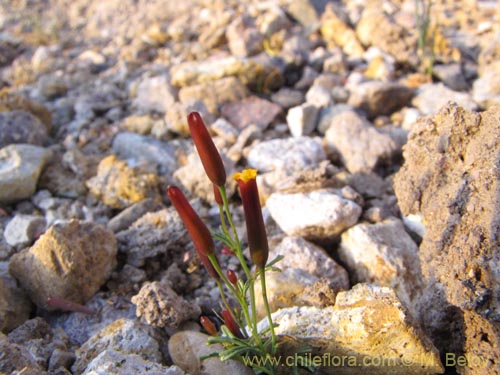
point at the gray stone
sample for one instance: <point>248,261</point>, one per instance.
<point>125,218</point>
<point>15,306</point>
<point>139,147</point>
<point>125,336</point>
<point>111,362</point>
<point>301,254</point>
<point>16,358</point>
<point>358,335</point>
<point>431,97</point>
<point>385,255</point>
<point>187,347</point>
<point>159,305</point>
<point>320,214</point>
<point>71,261</point>
<point>451,75</point>
<point>289,154</point>
<point>214,93</point>
<point>327,114</point>
<point>23,230</point>
<point>302,119</point>
<point>154,94</point>
<point>176,119</point>
<point>243,37</point>
<point>250,110</point>
<point>21,127</point>
<point>379,98</point>
<point>20,167</point>
<point>288,98</point>
<point>361,146</point>
<point>319,96</point>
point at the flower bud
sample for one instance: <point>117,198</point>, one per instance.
<point>209,155</point>
<point>208,325</point>
<point>198,231</point>
<point>256,231</point>
<point>231,275</point>
<point>231,324</point>
<point>217,195</point>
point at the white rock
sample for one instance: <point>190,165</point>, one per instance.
<point>414,222</point>
<point>23,230</point>
<point>301,254</point>
<point>125,336</point>
<point>485,89</point>
<point>110,362</point>
<point>302,119</point>
<point>367,331</point>
<point>289,154</point>
<point>319,96</point>
<point>318,214</point>
<point>383,254</point>
<point>20,167</point>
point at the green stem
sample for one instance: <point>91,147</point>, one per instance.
<point>262,272</point>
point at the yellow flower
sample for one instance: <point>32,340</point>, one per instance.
<point>246,175</point>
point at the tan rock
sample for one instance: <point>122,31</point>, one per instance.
<point>119,185</point>
<point>368,331</point>
<point>71,261</point>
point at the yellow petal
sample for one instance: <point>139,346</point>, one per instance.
<point>246,175</point>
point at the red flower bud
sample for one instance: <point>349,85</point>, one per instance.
<point>231,275</point>
<point>217,196</point>
<point>227,251</point>
<point>208,325</point>
<point>231,323</point>
<point>198,231</point>
<point>209,266</point>
<point>209,155</point>
<point>256,231</point>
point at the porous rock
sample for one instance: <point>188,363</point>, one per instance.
<point>111,362</point>
<point>119,185</point>
<point>450,177</point>
<point>319,214</point>
<point>125,336</point>
<point>160,306</point>
<point>368,327</point>
<point>71,260</point>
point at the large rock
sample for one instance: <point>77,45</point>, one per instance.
<point>120,186</point>
<point>20,167</point>
<point>71,261</point>
<point>361,146</point>
<point>451,177</point>
<point>383,254</point>
<point>21,127</point>
<point>367,331</point>
<point>320,214</point>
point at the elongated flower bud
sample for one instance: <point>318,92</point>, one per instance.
<point>208,325</point>
<point>209,155</point>
<point>198,231</point>
<point>231,276</point>
<point>231,323</point>
<point>218,196</point>
<point>209,266</point>
<point>256,231</point>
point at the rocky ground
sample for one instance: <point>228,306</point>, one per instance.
<point>383,197</point>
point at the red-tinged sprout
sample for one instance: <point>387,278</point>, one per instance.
<point>217,196</point>
<point>231,275</point>
<point>256,231</point>
<point>231,324</point>
<point>65,305</point>
<point>209,155</point>
<point>208,325</point>
<point>198,231</point>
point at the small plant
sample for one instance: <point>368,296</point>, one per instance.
<point>426,35</point>
<point>239,334</point>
